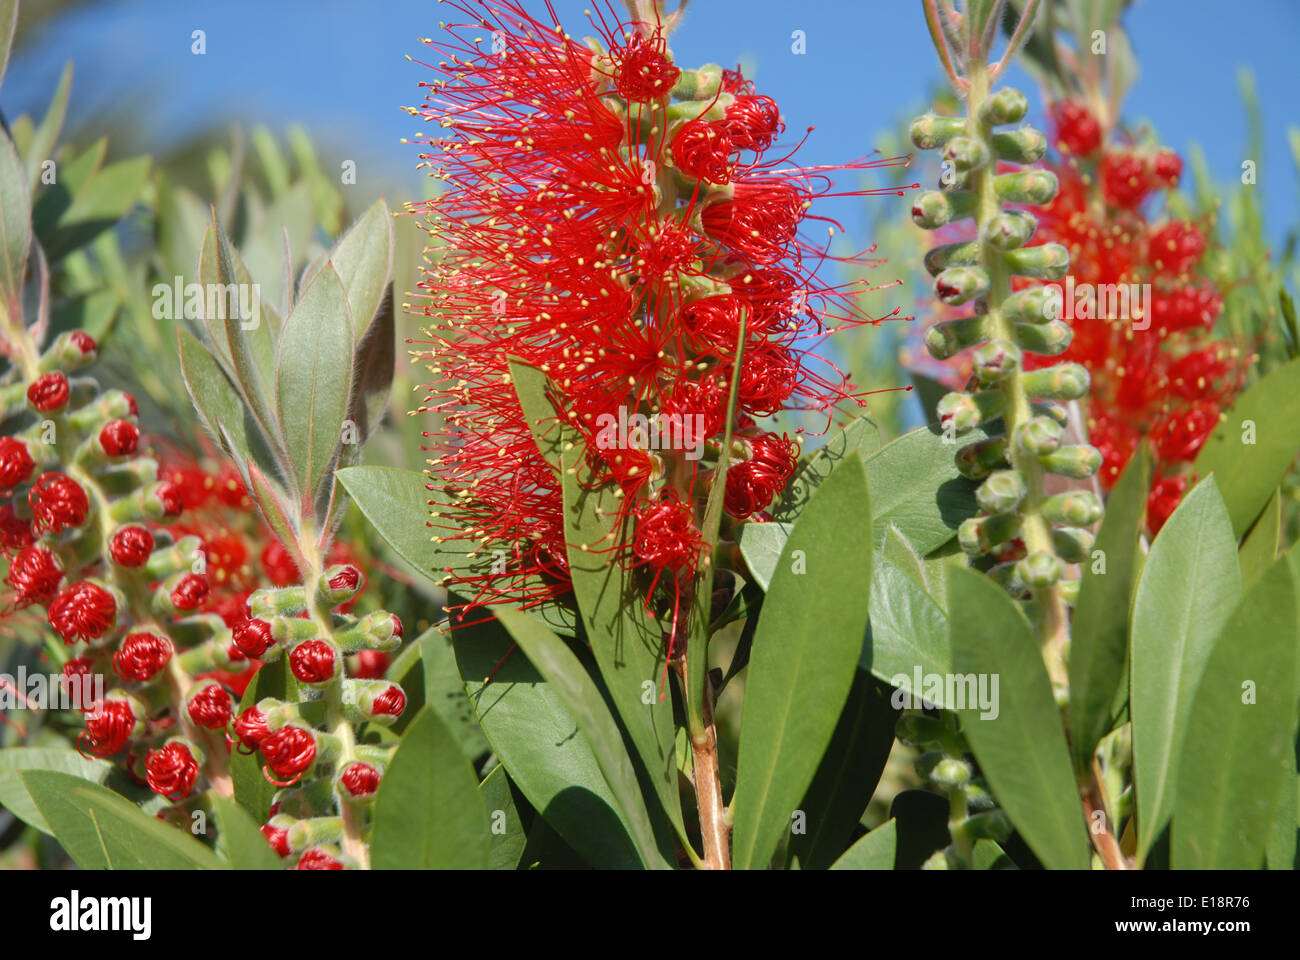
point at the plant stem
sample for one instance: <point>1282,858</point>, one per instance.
<point>715,829</point>
<point>1035,530</point>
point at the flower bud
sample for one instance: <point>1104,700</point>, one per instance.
<point>703,83</point>
<point>1077,508</point>
<point>963,254</point>
<point>995,361</point>
<point>949,337</point>
<point>57,502</point>
<point>209,706</point>
<point>320,858</point>
<point>1026,145</point>
<point>965,411</point>
<point>979,535</point>
<point>251,729</point>
<point>1045,339</point>
<point>1008,105</point>
<point>929,132</point>
<point>951,772</point>
<point>1035,305</point>
<point>16,462</point>
<point>172,770</point>
<point>84,610</point>
<point>1009,229</point>
<point>1002,492</point>
<point>314,662</point>
<point>34,574</point>
<point>379,630</point>
<point>253,638</point>
<point>339,584</point>
<point>1034,187</point>
<point>1065,381</point>
<point>1038,436</point>
<point>966,153</point>
<point>1077,461</point>
<point>49,392</point>
<point>1072,544</point>
<point>976,460</point>
<point>288,753</point>
<point>112,722</point>
<point>142,655</point>
<point>314,830</point>
<point>957,285</point>
<point>131,546</point>
<point>276,831</point>
<point>933,208</point>
<point>1039,570</point>
<point>1046,261</point>
<point>119,438</point>
<point>360,780</point>
<point>69,351</point>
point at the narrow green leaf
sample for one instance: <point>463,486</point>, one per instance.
<point>847,775</point>
<point>1189,586</point>
<point>429,814</point>
<point>1017,738</point>
<point>1240,731</point>
<point>875,851</point>
<point>445,692</point>
<point>15,227</point>
<point>533,390</point>
<point>14,760</point>
<point>313,380</point>
<point>548,758</point>
<point>96,206</point>
<point>760,546</point>
<point>556,662</point>
<point>1260,548</point>
<point>8,26</point>
<point>47,134</point>
<point>507,832</point>
<point>239,840</point>
<point>363,258</point>
<point>803,662</point>
<point>909,631</point>
<point>1251,450</point>
<point>101,830</point>
<point>1099,639</point>
<point>897,549</point>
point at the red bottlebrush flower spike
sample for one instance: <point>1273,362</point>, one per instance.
<point>49,393</point>
<point>561,244</point>
<point>34,574</point>
<point>210,707</point>
<point>131,546</point>
<point>142,655</point>
<point>313,661</point>
<point>57,503</point>
<point>1077,130</point>
<point>15,462</point>
<point>171,771</point>
<point>82,611</point>
<point>752,484</point>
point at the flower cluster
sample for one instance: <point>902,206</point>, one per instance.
<point>619,223</point>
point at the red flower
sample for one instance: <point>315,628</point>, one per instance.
<point>82,611</point>
<point>251,729</point>
<point>15,532</point>
<point>360,779</point>
<point>210,707</point>
<point>191,591</point>
<point>15,462</point>
<point>279,565</point>
<point>1125,179</point>
<point>57,502</point>
<point>288,752</point>
<point>390,703</point>
<point>317,859</point>
<point>253,637</point>
<point>753,483</point>
<point>278,838</point>
<point>131,546</point>
<point>371,664</point>
<point>34,574</point>
<point>1077,130</point>
<point>108,727</point>
<point>313,661</point>
<point>119,438</point>
<point>84,342</point>
<point>171,771</point>
<point>171,499</point>
<point>48,392</point>
<point>142,655</point>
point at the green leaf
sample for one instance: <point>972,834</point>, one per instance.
<point>804,660</point>
<point>313,380</point>
<point>398,502</point>
<point>429,814</point>
<point>8,26</point>
<point>1018,741</point>
<point>507,837</point>
<point>101,830</point>
<point>14,760</point>
<point>445,692</point>
<point>1099,638</point>
<point>96,206</point>
<point>987,855</point>
<point>761,545</point>
<point>219,407</point>
<point>533,389</point>
<point>253,792</point>
<point>897,549</point>
<point>1260,548</point>
<point>629,647</point>
<point>875,851</point>
<point>1240,731</point>
<point>1189,586</point>
<point>859,434</point>
<point>1281,852</point>
<point>847,775</point>
<point>1248,472</point>
<point>908,632</point>
<point>15,227</point>
<point>363,258</point>
<point>238,838</point>
<point>538,741</point>
<point>47,134</point>
<point>556,662</point>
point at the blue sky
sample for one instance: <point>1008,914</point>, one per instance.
<point>338,66</point>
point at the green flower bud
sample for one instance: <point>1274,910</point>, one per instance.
<point>292,630</point>
<point>941,258</point>
<point>976,460</point>
<point>1077,461</point>
<point>957,285</point>
<point>992,825</point>
<point>1078,508</point>
<point>951,772</point>
<point>701,84</point>
<point>269,601</point>
<point>1035,305</point>
<point>1006,576</point>
<point>966,153</point>
<point>917,729</point>
<point>1046,339</point>
<point>995,360</point>
<point>929,132</point>
<point>1053,411</point>
<point>949,337</point>
<point>309,833</point>
<point>1038,436</point>
<point>979,535</point>
<point>1069,589</point>
<point>379,630</point>
<point>966,411</point>
<point>1008,105</point>
<point>1002,492</point>
<point>1020,146</point>
<point>935,208</point>
<point>1065,381</point>
<point>1047,261</point>
<point>1039,570</point>
<point>1009,229</point>
<point>1034,187</point>
<point>1072,544</point>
